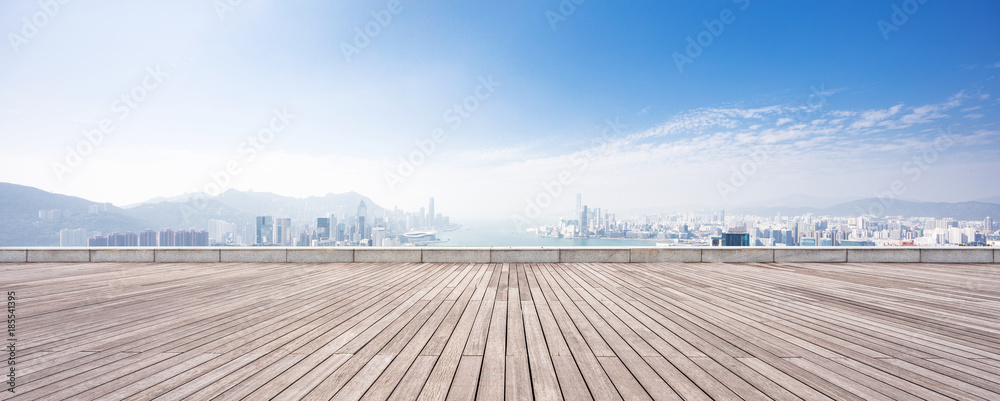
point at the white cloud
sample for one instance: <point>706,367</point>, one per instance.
<point>871,117</point>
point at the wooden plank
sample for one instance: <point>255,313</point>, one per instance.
<point>491,378</point>
<point>518,376</point>
<point>466,381</point>
<point>409,388</point>
<point>545,384</point>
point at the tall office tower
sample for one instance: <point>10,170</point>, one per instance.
<point>776,235</point>
<point>66,237</point>
<point>583,221</point>
<point>988,224</point>
<point>282,232</point>
<point>323,227</point>
<point>378,236</point>
<point>147,238</point>
<point>265,230</point>
<point>430,214</point>
<point>362,213</point>
<point>722,217</point>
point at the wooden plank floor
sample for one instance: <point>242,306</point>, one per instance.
<point>699,331</point>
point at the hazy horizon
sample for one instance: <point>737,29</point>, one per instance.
<point>496,107</point>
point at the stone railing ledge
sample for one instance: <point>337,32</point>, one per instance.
<point>525,254</point>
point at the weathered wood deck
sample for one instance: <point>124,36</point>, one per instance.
<point>518,331</point>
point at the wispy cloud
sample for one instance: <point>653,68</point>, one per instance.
<point>871,117</point>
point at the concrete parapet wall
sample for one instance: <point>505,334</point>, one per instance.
<point>455,255</point>
<point>883,255</point>
<point>183,255</point>
<point>524,255</point>
<point>805,254</point>
<point>320,255</point>
<point>738,255</point>
<point>972,255</point>
<point>587,255</point>
<point>387,255</point>
<point>662,254</point>
<point>505,255</point>
<point>13,256</point>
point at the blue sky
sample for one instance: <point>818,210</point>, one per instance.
<point>836,104</point>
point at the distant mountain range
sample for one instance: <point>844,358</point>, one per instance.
<point>21,225</point>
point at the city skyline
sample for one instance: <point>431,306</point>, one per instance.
<point>869,222</point>
<point>716,103</point>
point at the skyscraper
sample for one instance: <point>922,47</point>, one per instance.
<point>265,230</point>
<point>77,237</point>
<point>166,237</point>
<point>147,238</point>
<point>988,224</point>
<point>282,232</point>
<point>583,221</point>
<point>430,214</point>
<point>323,227</point>
<point>220,230</point>
<point>362,213</point>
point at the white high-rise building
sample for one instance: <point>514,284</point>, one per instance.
<point>956,236</point>
<point>378,236</point>
<point>69,237</point>
<point>219,230</point>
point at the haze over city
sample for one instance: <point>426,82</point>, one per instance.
<point>487,106</point>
